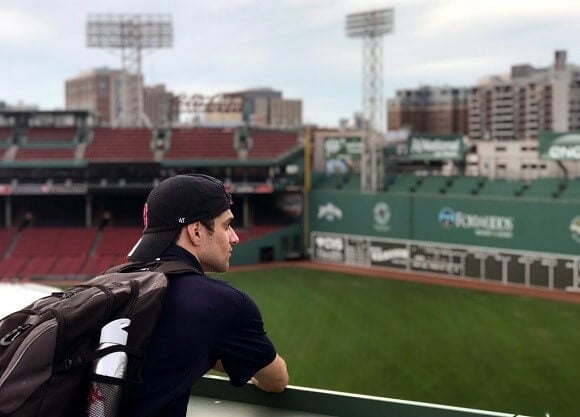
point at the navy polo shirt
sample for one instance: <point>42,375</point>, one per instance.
<point>202,320</point>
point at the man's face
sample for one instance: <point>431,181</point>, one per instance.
<point>217,246</point>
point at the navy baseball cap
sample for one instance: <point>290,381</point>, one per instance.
<point>173,204</point>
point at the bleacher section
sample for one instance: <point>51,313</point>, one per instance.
<point>6,236</point>
<point>50,134</point>
<point>50,250</point>
<point>5,133</point>
<point>201,143</point>
<point>572,190</point>
<point>112,249</point>
<point>135,145</point>
<point>76,252</point>
<point>125,144</point>
<point>432,185</point>
<point>500,188</point>
<point>542,188</point>
<point>268,144</point>
<point>465,185</point>
<point>403,183</point>
<point>39,154</point>
<point>337,182</point>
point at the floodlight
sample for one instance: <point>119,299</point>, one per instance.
<point>371,26</point>
<point>131,33</point>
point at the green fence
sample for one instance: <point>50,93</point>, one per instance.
<point>542,226</point>
<point>279,245</point>
<point>364,214</point>
<point>503,240</point>
<point>214,396</point>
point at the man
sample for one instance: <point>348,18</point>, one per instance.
<point>205,323</point>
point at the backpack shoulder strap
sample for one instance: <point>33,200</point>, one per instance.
<point>174,267</point>
<point>166,267</point>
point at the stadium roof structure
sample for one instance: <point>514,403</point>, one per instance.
<point>12,113</point>
<point>213,396</point>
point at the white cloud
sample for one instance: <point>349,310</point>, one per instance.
<point>19,28</point>
<point>296,46</point>
<point>457,15</point>
<point>449,66</point>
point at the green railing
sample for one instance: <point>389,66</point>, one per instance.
<point>213,396</point>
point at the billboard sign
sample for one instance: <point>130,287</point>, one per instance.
<point>559,146</point>
<point>436,147</point>
<point>342,148</point>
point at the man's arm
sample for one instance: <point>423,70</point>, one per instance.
<point>272,377</point>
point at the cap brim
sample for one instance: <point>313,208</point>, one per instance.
<point>152,245</point>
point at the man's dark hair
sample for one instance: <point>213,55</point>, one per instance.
<point>208,224</point>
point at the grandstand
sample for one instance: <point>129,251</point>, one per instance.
<point>117,145</point>
<point>201,143</point>
<point>465,185</point>
<point>73,191</point>
<point>72,198</point>
<point>51,134</point>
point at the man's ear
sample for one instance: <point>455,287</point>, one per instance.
<point>193,231</point>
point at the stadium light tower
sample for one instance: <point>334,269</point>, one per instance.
<point>131,33</point>
<point>371,26</point>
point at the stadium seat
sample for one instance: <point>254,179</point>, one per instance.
<point>50,134</point>
<point>270,144</point>
<point>463,186</point>
<point>500,188</point>
<point>123,144</point>
<point>542,188</point>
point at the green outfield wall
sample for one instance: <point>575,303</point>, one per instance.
<point>363,214</point>
<point>284,243</point>
<point>510,224</point>
<point>507,240</point>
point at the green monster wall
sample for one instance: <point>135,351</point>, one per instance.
<point>552,227</point>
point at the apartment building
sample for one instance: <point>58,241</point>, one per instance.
<point>528,100</point>
<point>114,96</point>
<point>429,110</point>
<point>262,107</point>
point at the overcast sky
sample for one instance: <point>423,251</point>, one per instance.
<point>296,46</point>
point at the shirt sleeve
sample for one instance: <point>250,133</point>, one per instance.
<point>244,348</point>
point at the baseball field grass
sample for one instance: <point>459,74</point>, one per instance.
<point>421,342</point>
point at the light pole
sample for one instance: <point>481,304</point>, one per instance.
<point>371,26</point>
<point>131,33</point>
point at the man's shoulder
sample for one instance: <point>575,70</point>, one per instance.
<point>199,282</point>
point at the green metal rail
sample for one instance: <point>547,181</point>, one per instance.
<point>213,396</point>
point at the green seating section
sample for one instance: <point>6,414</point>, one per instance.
<point>500,188</point>
<point>433,185</point>
<point>542,188</point>
<point>465,185</point>
<point>402,183</point>
<point>572,190</point>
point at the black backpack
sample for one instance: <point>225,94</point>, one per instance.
<point>47,348</point>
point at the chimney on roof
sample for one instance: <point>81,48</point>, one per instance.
<point>560,60</point>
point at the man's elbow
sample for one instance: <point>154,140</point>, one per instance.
<point>275,386</point>
<point>278,385</point>
<point>274,377</point>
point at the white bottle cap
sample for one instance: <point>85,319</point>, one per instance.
<point>113,332</point>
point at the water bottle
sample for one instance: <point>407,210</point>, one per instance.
<point>105,398</point>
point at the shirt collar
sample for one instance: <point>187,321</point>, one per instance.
<point>177,253</point>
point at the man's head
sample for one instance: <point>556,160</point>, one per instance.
<point>184,204</point>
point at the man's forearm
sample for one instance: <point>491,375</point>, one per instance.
<point>273,377</point>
